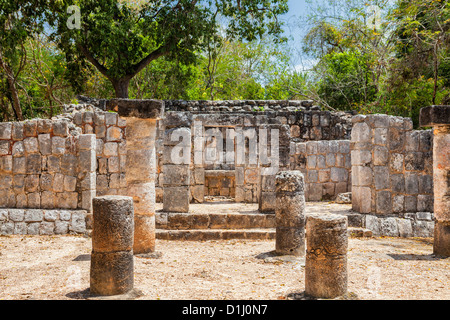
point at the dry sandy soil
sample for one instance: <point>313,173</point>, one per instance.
<point>57,268</point>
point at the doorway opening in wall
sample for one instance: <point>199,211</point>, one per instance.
<point>220,180</point>
<point>220,185</point>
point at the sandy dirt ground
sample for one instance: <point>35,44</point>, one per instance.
<point>57,268</point>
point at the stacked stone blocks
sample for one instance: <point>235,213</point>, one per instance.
<point>42,221</point>
<point>391,166</point>
<point>326,166</point>
<point>297,122</point>
<point>110,132</point>
<point>177,164</point>
<point>43,166</point>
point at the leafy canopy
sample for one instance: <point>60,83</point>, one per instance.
<point>120,38</point>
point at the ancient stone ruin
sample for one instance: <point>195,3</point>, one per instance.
<point>290,213</point>
<point>438,117</point>
<point>182,152</point>
<point>326,256</point>
<point>112,265</point>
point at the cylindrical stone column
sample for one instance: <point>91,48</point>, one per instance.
<point>290,213</point>
<point>140,173</point>
<point>441,180</point>
<point>112,267</point>
<point>438,117</point>
<point>326,256</point>
<point>140,168</point>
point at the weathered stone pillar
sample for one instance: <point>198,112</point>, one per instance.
<point>274,150</point>
<point>438,117</point>
<point>326,256</point>
<point>176,163</point>
<point>141,117</point>
<point>290,213</point>
<point>112,269</point>
<point>87,162</point>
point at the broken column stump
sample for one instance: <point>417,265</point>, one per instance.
<point>290,213</point>
<point>326,256</point>
<point>438,117</point>
<point>112,267</point>
<point>141,117</point>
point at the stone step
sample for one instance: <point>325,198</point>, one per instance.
<point>182,221</point>
<point>241,234</point>
<point>189,221</point>
<point>359,232</point>
<point>215,234</point>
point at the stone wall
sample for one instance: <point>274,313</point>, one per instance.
<point>220,183</point>
<point>42,221</point>
<point>43,164</point>
<point>326,166</point>
<point>298,121</point>
<point>51,169</point>
<point>110,131</point>
<point>392,169</point>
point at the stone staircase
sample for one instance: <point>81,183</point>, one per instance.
<point>214,226</point>
<point>227,226</point>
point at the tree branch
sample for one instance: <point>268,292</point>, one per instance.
<point>161,51</point>
<point>94,61</point>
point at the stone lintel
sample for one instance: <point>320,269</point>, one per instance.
<point>219,173</point>
<point>142,109</point>
<point>435,116</point>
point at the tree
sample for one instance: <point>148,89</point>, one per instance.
<point>19,21</point>
<point>351,44</point>
<point>423,41</point>
<point>120,39</point>
<point>165,79</point>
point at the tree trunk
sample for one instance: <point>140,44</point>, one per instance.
<point>13,90</point>
<point>121,88</point>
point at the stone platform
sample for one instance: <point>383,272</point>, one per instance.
<point>228,220</point>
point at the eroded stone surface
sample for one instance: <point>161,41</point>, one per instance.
<point>326,256</point>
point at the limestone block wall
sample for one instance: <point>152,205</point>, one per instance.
<point>42,221</point>
<point>44,166</point>
<point>306,121</point>
<point>220,183</point>
<point>110,132</point>
<point>298,121</point>
<point>326,166</point>
<point>392,166</point>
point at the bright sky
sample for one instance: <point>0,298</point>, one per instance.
<point>297,9</point>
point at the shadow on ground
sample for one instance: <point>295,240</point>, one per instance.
<point>303,296</point>
<point>416,257</point>
<point>83,257</point>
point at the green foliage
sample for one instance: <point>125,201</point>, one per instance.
<point>347,82</point>
<point>396,66</point>
<point>121,40</point>
<point>19,21</point>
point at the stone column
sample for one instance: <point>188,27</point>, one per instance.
<point>290,213</point>
<point>269,167</point>
<point>326,256</point>
<point>87,162</point>
<point>112,269</point>
<point>141,118</point>
<point>438,117</point>
<point>176,163</point>
<point>274,156</point>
